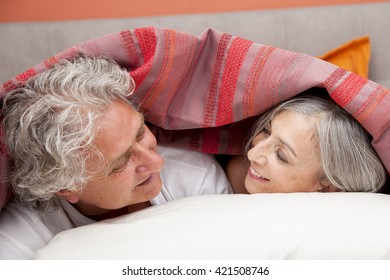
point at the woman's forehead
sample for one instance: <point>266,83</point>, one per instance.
<point>295,128</point>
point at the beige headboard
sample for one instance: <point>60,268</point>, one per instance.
<point>313,30</point>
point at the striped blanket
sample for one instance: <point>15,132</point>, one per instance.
<point>202,92</point>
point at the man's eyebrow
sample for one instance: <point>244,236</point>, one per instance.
<point>141,130</point>
<point>288,146</point>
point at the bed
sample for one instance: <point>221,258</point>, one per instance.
<point>270,226</point>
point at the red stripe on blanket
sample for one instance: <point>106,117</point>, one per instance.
<point>3,147</point>
<point>194,142</point>
<point>26,75</point>
<point>234,61</point>
<point>212,96</point>
<point>333,79</point>
<point>162,77</point>
<point>253,80</point>
<point>211,141</point>
<point>147,42</point>
<point>348,89</point>
<point>21,78</point>
<point>8,86</point>
<point>50,62</point>
<point>133,53</point>
<point>283,74</point>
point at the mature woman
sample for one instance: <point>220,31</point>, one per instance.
<point>307,144</point>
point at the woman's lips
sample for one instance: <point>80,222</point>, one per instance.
<point>253,174</point>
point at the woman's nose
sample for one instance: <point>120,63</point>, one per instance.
<point>259,153</point>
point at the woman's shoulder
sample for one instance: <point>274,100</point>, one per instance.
<point>236,170</point>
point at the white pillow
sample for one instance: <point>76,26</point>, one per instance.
<point>263,226</point>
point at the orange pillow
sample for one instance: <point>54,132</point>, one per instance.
<point>353,56</point>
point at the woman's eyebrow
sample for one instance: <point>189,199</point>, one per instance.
<point>285,143</point>
<point>288,146</point>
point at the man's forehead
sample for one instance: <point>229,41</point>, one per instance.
<point>118,128</point>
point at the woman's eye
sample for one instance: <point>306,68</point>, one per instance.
<point>266,131</point>
<point>281,156</point>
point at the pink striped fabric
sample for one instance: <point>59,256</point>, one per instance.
<point>201,92</point>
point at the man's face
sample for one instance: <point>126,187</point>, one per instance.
<point>129,148</point>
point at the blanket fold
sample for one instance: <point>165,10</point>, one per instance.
<point>201,92</point>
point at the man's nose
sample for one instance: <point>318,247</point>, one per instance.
<point>149,160</point>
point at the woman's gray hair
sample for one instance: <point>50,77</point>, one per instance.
<point>50,124</point>
<point>349,162</point>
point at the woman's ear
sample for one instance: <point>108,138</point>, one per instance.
<point>327,186</point>
<point>70,196</point>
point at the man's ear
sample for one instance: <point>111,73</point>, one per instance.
<point>70,196</point>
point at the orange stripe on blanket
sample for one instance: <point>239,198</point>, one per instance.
<point>348,89</point>
<point>253,80</point>
<point>365,112</point>
<point>166,67</point>
<point>234,61</point>
<point>147,42</point>
<point>212,95</point>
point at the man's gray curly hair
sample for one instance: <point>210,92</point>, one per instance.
<point>50,124</point>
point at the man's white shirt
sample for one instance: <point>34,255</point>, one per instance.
<point>185,173</point>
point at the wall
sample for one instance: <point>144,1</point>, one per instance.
<point>49,10</point>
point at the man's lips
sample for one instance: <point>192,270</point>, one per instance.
<point>255,175</point>
<point>147,180</point>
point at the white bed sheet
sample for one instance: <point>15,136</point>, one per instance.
<point>262,226</point>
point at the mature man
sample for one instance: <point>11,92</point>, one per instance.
<point>82,153</point>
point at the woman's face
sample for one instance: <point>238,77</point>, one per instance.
<point>285,156</point>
